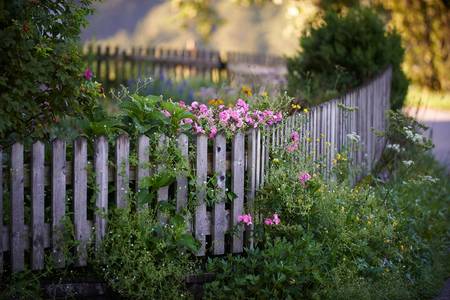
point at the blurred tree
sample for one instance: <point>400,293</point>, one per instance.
<point>425,29</point>
<point>198,16</point>
<point>423,25</point>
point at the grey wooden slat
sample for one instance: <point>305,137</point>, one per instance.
<point>258,159</point>
<point>38,206</point>
<point>80,199</point>
<point>143,168</point>
<point>201,174</point>
<point>237,186</point>
<point>101,181</point>
<point>314,130</point>
<point>163,193</point>
<point>58,200</point>
<point>17,209</point>
<point>2,246</point>
<point>219,160</point>
<point>182,181</point>
<point>122,170</point>
<point>264,154</point>
<point>251,174</point>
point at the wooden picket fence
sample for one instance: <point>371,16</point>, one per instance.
<point>115,66</point>
<point>360,112</point>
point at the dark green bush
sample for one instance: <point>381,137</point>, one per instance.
<point>41,75</point>
<point>343,53</point>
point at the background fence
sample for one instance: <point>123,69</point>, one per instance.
<point>39,188</point>
<point>115,66</point>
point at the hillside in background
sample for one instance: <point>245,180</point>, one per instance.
<point>126,23</point>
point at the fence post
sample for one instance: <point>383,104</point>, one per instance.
<point>101,181</point>
<point>219,158</point>
<point>143,168</point>
<point>200,212</point>
<point>80,198</point>
<point>122,169</point>
<point>251,173</point>
<point>17,209</point>
<point>58,200</point>
<point>38,205</point>
<point>237,186</point>
<point>182,181</point>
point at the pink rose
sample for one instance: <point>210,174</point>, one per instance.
<point>292,147</point>
<point>304,177</point>
<point>276,219</point>
<point>166,113</point>
<point>268,221</point>
<point>224,116</point>
<point>186,121</point>
<point>198,129</point>
<point>88,74</point>
<point>246,219</point>
<point>295,137</point>
<point>194,105</point>
<point>213,132</point>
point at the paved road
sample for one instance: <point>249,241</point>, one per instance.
<point>439,130</point>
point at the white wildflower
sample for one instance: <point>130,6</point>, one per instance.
<point>395,147</point>
<point>353,136</point>
<point>408,163</point>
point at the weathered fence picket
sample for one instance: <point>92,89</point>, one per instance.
<point>17,208</point>
<point>101,181</point>
<point>38,205</point>
<point>58,200</point>
<point>237,187</point>
<point>122,170</point>
<point>80,199</point>
<point>324,132</point>
<point>201,174</point>
<point>219,161</point>
<point>182,181</point>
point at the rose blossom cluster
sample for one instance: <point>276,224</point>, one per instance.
<point>275,220</point>
<point>246,219</point>
<point>210,120</point>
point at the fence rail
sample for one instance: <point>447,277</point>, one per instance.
<point>115,66</point>
<point>360,112</point>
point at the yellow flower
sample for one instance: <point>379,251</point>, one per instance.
<point>295,106</point>
<point>246,90</point>
<point>305,110</point>
<point>263,94</point>
<point>215,102</point>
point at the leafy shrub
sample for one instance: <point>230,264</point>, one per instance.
<point>142,258</point>
<point>387,240</point>
<point>343,53</point>
<point>42,67</point>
